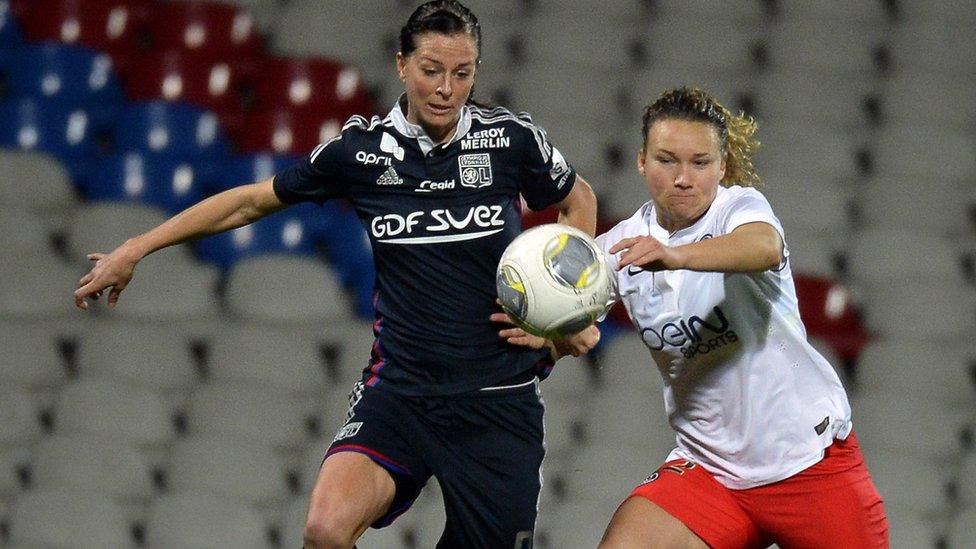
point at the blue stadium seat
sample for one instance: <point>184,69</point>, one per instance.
<point>176,128</point>
<point>241,170</point>
<point>30,124</point>
<point>287,232</point>
<point>70,76</point>
<point>169,183</point>
<point>10,34</point>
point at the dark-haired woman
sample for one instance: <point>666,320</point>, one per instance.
<point>765,448</point>
<point>437,184</point>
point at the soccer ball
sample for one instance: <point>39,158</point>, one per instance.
<point>553,280</point>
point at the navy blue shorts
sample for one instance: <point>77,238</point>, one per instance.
<point>485,449</point>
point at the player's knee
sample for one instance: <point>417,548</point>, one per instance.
<point>322,532</point>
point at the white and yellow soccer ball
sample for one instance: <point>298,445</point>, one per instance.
<point>553,280</point>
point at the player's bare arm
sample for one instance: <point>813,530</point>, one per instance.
<point>749,248</point>
<point>228,210</point>
<point>578,209</point>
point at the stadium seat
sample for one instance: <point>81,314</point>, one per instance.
<point>813,252</point>
<point>896,201</point>
<point>935,428</point>
<point>285,133</point>
<point>907,529</point>
<point>207,27</point>
<point>245,169</point>
<point>672,40</point>
<point>99,465</point>
<point>876,256</point>
<point>842,48</point>
<point>172,128</point>
<point>238,471</point>
<point>926,44</point>
<point>803,99</point>
<point>199,519</point>
<point>103,226</point>
<point>112,408</point>
<point>33,126</point>
<point>285,289</point>
<point>924,491</point>
<point>169,183</point>
<point>745,12</point>
<point>251,413</point>
<point>865,13</point>
<point>937,308</point>
<point>155,356</point>
<point>966,480</point>
<point>168,287</point>
<point>289,233</point>
<point>10,33</point>
<point>115,27</point>
<point>210,83</point>
<point>550,39</point>
<point>38,287</point>
<point>69,76</point>
<point>284,359</point>
<point>20,426</point>
<point>311,85</point>
<point>956,108</point>
<point>829,315</point>
<point>961,533</point>
<point>303,28</point>
<point>24,233</point>
<point>30,357</point>
<point>67,518</point>
<point>807,156</point>
<point>50,194</point>
<point>896,146</point>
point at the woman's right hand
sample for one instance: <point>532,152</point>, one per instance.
<point>112,270</point>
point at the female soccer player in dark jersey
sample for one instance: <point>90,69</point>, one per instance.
<point>437,184</point>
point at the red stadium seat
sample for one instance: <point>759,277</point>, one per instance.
<point>285,132</point>
<point>316,85</point>
<point>180,76</point>
<point>828,314</point>
<point>115,27</point>
<point>205,27</point>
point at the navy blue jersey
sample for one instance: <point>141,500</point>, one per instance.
<point>438,218</point>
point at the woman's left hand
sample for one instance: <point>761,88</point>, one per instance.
<point>576,345</point>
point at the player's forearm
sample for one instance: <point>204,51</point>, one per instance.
<point>578,209</point>
<point>224,211</point>
<point>749,248</point>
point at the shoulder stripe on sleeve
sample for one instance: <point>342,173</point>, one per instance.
<point>522,119</point>
<point>318,150</point>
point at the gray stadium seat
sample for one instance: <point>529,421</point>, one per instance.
<point>955,109</point>
<point>285,359</point>
<point>896,151</point>
<point>285,289</point>
<point>103,226</point>
<point>93,465</point>
<point>23,233</point>
<point>915,427</point>
<point>37,287</point>
<point>38,183</point>
<point>19,424</point>
<point>805,156</point>
<point>751,12</point>
<point>907,529</point>
<point>966,480</point>
<point>672,40</point>
<point>898,201</point>
<point>112,408</point>
<point>30,357</point>
<point>939,372</point>
<point>11,460</point>
<point>876,256</point>
<point>801,99</point>
<point>148,354</point>
<point>844,47</point>
<point>926,44</point>
<point>64,518</point>
<point>202,520</point>
<point>961,532</point>
<point>239,471</point>
<point>923,491</point>
<point>255,413</point>
<point>937,308</point>
<point>167,286</point>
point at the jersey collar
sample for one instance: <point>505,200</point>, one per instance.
<point>414,131</point>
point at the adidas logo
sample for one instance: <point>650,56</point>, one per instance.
<point>389,177</point>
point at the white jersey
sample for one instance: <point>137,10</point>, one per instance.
<point>748,397</point>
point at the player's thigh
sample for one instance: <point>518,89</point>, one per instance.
<point>351,492</point>
<point>639,522</point>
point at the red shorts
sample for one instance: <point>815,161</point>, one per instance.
<point>831,504</point>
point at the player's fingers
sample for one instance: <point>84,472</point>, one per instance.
<point>500,317</point>
<point>113,296</point>
<point>96,256</point>
<point>84,280</point>
<point>622,245</point>
<point>511,332</point>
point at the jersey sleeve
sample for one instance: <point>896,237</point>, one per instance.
<point>546,177</point>
<point>749,207</point>
<point>316,178</point>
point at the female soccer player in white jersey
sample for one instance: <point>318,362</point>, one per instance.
<point>438,184</point>
<point>765,448</point>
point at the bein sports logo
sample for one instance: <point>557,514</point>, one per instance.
<point>693,336</point>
